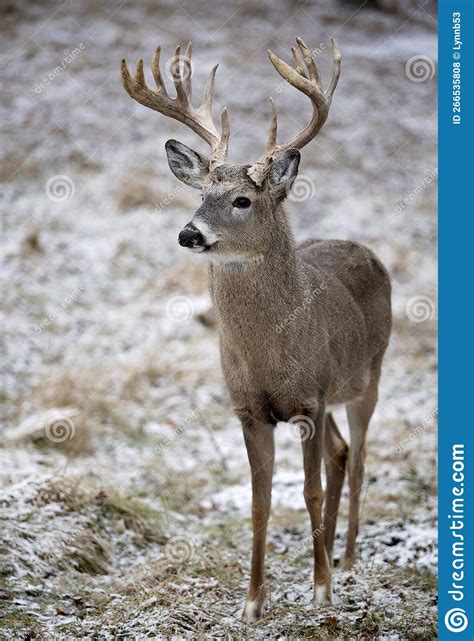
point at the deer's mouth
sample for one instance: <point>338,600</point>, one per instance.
<point>200,249</point>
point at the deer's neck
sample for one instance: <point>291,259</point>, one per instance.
<point>262,293</point>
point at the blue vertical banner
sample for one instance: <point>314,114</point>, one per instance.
<point>456,320</point>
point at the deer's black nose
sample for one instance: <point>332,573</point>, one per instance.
<point>190,237</point>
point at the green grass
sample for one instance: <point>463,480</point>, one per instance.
<point>16,623</point>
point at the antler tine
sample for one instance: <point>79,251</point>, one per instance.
<point>304,84</point>
<point>219,154</point>
<point>180,108</point>
<point>206,104</point>
<point>309,83</point>
<point>139,74</point>
<point>272,133</point>
<point>298,62</point>
<point>309,60</point>
<point>155,70</point>
<point>336,68</point>
<point>188,70</point>
<point>126,78</point>
<point>177,77</point>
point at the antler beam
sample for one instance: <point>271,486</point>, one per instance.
<point>306,78</point>
<point>180,108</point>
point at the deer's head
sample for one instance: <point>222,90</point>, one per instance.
<point>238,201</point>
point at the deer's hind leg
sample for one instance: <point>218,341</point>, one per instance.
<point>335,457</point>
<point>359,413</point>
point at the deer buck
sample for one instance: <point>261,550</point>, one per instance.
<point>302,327</point>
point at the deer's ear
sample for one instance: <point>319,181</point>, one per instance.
<point>283,173</point>
<point>187,165</point>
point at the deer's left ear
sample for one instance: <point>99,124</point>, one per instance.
<point>283,173</point>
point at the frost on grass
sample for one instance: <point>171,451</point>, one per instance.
<point>52,525</point>
<point>135,523</point>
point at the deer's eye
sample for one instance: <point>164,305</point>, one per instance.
<point>241,203</point>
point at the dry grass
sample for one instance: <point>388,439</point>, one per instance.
<point>136,193</point>
<point>140,189</point>
<point>186,277</point>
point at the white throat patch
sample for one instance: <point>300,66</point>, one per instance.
<point>233,262</point>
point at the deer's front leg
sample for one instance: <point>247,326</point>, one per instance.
<point>259,441</point>
<point>313,445</point>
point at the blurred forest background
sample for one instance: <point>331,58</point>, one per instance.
<point>125,485</point>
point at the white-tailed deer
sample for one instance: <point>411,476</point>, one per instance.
<point>301,327</point>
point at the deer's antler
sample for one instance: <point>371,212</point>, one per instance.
<point>180,108</point>
<point>308,81</point>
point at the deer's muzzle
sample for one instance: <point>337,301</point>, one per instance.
<point>191,237</point>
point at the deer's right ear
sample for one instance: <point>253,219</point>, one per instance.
<point>187,165</point>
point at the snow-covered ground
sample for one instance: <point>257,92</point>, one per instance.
<point>125,480</point>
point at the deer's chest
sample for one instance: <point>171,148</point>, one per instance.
<point>264,376</point>
<point>262,363</point>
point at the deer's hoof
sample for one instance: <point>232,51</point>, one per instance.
<point>323,594</point>
<point>253,611</point>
